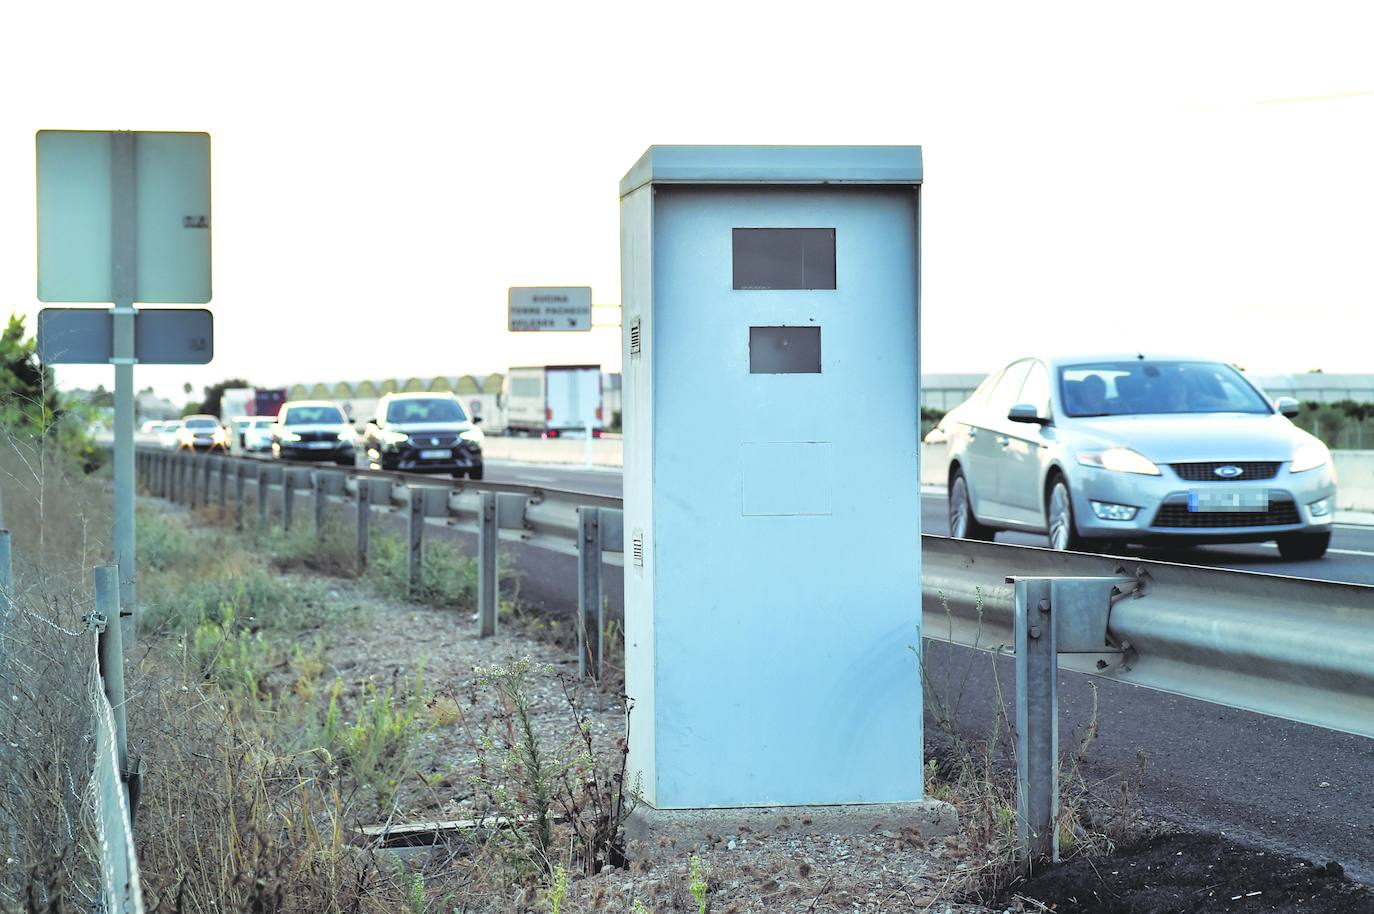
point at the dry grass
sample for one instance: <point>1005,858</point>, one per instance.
<point>59,522</point>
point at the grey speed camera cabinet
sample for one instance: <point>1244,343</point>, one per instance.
<point>772,516</point>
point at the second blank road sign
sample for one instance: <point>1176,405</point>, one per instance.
<point>162,336</point>
<point>545,308</point>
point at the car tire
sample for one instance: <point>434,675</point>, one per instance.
<point>963,524</point>
<point>475,473</point>
<point>1304,547</point>
<point>1063,527</point>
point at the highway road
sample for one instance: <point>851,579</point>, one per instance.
<point>1351,557</point>
<point>1271,783</point>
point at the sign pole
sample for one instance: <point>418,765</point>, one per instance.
<point>124,267</point>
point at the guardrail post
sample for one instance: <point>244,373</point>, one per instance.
<point>1037,721</point>
<point>205,474</point>
<point>111,651</point>
<point>488,584</point>
<point>223,484</point>
<point>364,521</point>
<point>415,541</point>
<point>320,503</point>
<point>262,498</point>
<point>173,467</point>
<point>238,496</point>
<point>288,498</point>
<point>590,648</point>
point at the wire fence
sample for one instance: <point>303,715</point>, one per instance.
<point>66,840</point>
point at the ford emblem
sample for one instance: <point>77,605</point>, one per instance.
<point>1229,471</point>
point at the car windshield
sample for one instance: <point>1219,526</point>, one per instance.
<point>172,426</point>
<point>263,423</point>
<point>313,415</point>
<point>201,423</point>
<point>428,409</point>
<point>1154,388</point>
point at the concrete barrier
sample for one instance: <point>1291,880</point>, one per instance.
<point>606,452</point>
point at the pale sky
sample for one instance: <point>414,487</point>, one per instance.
<point>1190,176</point>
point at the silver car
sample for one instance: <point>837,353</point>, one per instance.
<point>1106,450</point>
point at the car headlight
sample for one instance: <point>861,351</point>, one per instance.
<point>1119,460</point>
<point>219,435</point>
<point>290,436</point>
<point>1308,456</point>
<point>395,437</point>
<point>345,436</point>
<point>474,435</point>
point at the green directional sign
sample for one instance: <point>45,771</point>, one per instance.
<point>168,213</point>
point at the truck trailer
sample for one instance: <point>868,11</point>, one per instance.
<point>553,400</point>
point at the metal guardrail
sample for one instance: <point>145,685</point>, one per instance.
<point>1288,647</point>
<point>552,519</point>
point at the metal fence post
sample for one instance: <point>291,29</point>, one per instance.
<point>262,498</point>
<point>111,648</point>
<point>6,578</point>
<point>205,474</point>
<point>1037,721</point>
<point>223,483</point>
<point>288,498</point>
<point>364,520</point>
<point>238,496</point>
<point>415,541</point>
<point>488,584</point>
<point>590,649</point>
<point>321,501</point>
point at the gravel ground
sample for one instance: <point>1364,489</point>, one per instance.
<point>781,871</point>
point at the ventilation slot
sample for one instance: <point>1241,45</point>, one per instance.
<point>634,337</point>
<point>637,548</point>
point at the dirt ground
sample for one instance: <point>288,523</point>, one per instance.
<point>1192,874</point>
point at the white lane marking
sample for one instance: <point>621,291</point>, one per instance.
<point>1328,551</point>
<point>533,478</point>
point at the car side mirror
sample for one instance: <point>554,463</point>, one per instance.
<point>1025,412</point>
<point>476,420</point>
<point>1287,406</point>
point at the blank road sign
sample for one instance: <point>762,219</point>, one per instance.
<point>548,308</point>
<point>162,336</point>
<point>171,218</point>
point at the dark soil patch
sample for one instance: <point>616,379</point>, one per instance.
<point>1194,874</point>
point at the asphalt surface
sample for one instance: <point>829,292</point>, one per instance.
<point>1351,557</point>
<point>1260,780</point>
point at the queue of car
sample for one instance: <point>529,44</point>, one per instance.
<point>415,432</point>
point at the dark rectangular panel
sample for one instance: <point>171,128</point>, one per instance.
<point>174,336</point>
<point>784,258</point>
<point>784,350</point>
<point>75,336</point>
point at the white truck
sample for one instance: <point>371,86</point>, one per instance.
<point>553,400</point>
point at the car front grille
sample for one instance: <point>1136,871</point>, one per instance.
<point>1176,515</point>
<point>1206,472</point>
<point>439,439</point>
<point>319,436</point>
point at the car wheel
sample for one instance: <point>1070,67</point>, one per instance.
<point>475,472</point>
<point>1063,529</point>
<point>1304,547</point>
<point>962,522</point>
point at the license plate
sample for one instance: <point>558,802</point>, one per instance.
<point>436,455</point>
<point>319,445</point>
<point>1224,500</point>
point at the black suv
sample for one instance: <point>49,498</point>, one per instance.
<point>423,433</point>
<point>313,430</point>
